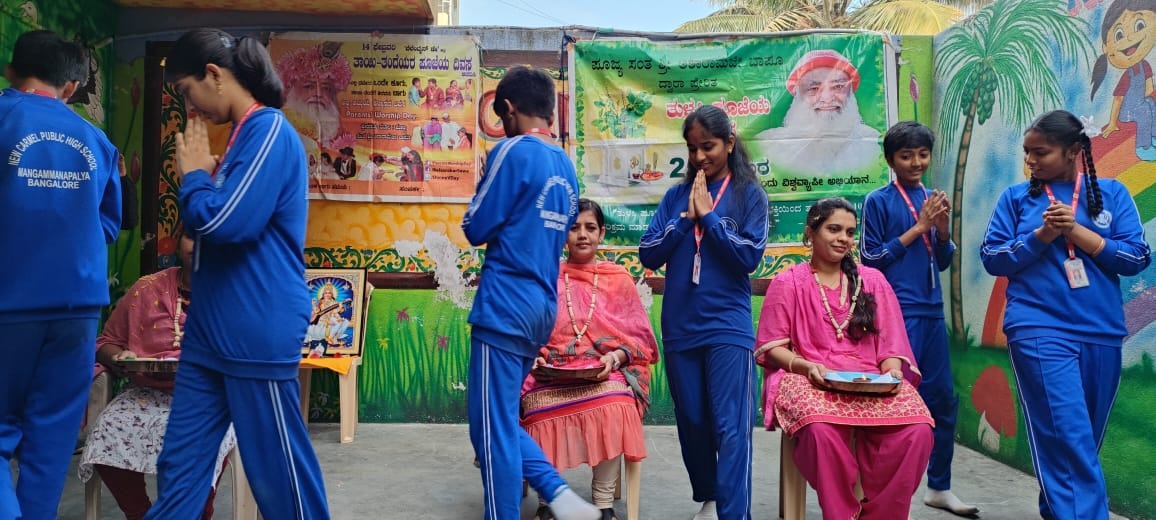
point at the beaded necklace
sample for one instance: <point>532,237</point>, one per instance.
<point>839,327</point>
<point>177,332</point>
<point>570,307</point>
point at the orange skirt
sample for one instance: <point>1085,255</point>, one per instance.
<point>584,423</point>
<point>800,403</point>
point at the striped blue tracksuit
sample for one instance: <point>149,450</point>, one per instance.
<point>522,211</point>
<point>245,329</point>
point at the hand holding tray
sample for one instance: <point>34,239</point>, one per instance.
<point>547,373</point>
<point>862,382</point>
<point>147,366</point>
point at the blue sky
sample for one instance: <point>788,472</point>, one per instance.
<point>640,15</point>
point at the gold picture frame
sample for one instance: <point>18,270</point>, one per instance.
<point>338,299</point>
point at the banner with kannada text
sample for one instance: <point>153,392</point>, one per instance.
<point>384,118</point>
<point>811,110</point>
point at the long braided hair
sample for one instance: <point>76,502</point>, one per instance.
<point>863,320</point>
<point>1065,129</point>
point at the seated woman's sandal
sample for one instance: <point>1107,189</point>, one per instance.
<point>544,513</point>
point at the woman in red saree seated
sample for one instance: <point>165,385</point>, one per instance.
<point>600,323</point>
<point>833,315</point>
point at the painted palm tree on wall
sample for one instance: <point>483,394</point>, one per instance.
<point>1003,55</point>
<point>894,16</point>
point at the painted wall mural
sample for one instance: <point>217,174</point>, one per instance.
<point>993,74</point>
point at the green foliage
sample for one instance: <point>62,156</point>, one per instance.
<point>1015,38</point>
<point>893,16</point>
<point>621,116</point>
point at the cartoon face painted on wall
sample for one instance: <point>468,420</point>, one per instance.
<point>1130,38</point>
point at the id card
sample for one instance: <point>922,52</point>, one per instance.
<point>697,268</point>
<point>1077,276</point>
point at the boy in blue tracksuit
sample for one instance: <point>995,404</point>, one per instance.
<point>522,211</point>
<point>711,232</point>
<point>906,235</point>
<point>60,206</point>
<point>1063,240</point>
<point>243,336</point>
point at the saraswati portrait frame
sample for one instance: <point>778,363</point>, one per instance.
<point>338,299</point>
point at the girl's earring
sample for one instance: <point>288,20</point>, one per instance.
<point>220,89</point>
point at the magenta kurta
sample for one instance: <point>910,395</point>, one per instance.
<point>793,312</point>
<point>882,441</point>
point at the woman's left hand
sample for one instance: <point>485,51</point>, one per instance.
<point>897,374</point>
<point>610,363</point>
<point>193,151</point>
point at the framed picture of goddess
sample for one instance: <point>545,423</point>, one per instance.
<point>338,300</point>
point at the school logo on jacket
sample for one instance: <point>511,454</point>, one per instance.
<point>1103,220</point>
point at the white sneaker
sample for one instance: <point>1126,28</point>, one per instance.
<point>707,512</point>
<point>569,506</point>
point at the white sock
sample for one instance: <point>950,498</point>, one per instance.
<point>945,499</point>
<point>569,506</point>
<point>707,512</point>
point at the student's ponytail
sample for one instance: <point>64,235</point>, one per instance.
<point>254,70</point>
<point>1095,197</point>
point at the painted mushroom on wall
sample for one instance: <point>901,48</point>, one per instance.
<point>992,398</point>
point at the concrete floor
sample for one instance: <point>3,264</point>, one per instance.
<point>425,471</point>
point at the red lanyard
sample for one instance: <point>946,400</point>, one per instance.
<point>39,92</point>
<point>915,215</point>
<point>698,231</point>
<point>1075,204</point>
<point>540,131</point>
<point>236,131</point>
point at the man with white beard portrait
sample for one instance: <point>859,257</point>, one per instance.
<point>313,76</point>
<point>822,132</point>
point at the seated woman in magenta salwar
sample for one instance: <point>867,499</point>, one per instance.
<point>833,315</point>
<point>600,323</point>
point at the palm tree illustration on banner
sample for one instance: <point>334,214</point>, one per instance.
<point>1004,53</point>
<point>893,16</point>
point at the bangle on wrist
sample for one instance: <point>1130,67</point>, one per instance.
<point>791,364</point>
<point>1100,248</point>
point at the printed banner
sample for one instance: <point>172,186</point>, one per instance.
<point>383,118</point>
<point>811,110</point>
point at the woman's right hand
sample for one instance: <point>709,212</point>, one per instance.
<point>817,374</point>
<point>123,355</point>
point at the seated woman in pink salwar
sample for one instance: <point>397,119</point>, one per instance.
<point>127,436</point>
<point>833,315</point>
<point>600,323</point>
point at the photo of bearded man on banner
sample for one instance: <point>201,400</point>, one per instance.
<point>822,132</point>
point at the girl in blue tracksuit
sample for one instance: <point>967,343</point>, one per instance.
<point>243,336</point>
<point>522,211</point>
<point>710,233</point>
<point>906,236</point>
<point>1063,240</point>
